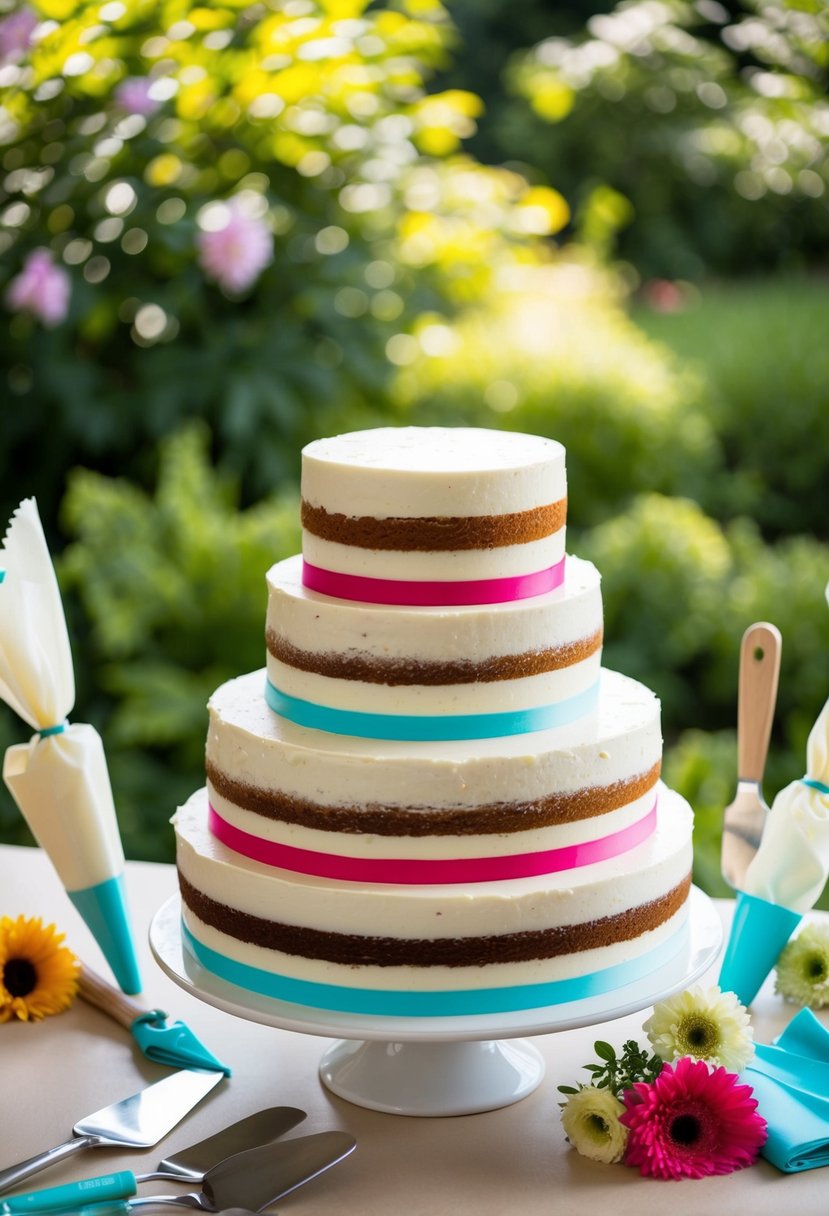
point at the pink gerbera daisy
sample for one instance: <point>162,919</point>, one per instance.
<point>691,1122</point>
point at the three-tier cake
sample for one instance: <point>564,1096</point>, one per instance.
<point>433,800</point>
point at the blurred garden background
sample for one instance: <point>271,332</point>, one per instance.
<point>229,228</point>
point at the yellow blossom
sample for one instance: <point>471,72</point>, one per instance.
<point>38,975</point>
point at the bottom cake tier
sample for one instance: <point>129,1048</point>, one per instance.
<point>435,950</point>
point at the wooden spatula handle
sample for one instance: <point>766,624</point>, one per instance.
<point>759,675</point>
<point>109,999</point>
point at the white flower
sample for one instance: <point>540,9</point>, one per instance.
<point>590,1119</point>
<point>705,1024</point>
<point>803,968</point>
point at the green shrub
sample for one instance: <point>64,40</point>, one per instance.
<point>173,588</point>
<point>553,354</point>
<point>761,350</point>
<point>320,125</point>
<point>679,592</point>
<point>709,119</point>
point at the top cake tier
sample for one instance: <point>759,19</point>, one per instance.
<point>433,515</point>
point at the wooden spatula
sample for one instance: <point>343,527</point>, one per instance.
<point>745,817</point>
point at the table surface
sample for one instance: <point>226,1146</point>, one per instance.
<point>503,1162</point>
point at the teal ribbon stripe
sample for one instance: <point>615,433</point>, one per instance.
<point>459,1003</point>
<point>430,726</point>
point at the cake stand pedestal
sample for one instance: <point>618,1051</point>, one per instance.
<point>437,1066</point>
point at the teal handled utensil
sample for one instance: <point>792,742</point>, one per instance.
<point>191,1164</point>
<point>160,1040</point>
<point>253,1179</point>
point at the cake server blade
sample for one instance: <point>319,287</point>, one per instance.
<point>191,1164</point>
<point>745,817</point>
<point>255,1178</point>
<point>137,1122</point>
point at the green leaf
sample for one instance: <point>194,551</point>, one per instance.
<point>604,1051</point>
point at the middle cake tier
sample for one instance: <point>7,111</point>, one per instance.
<point>433,672</point>
<point>470,811</point>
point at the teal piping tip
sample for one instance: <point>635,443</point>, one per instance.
<point>174,1044</point>
<point>104,908</point>
<point>759,931</point>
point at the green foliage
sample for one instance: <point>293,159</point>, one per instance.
<point>762,349</point>
<point>320,122</point>
<point>619,1072</point>
<point>553,354</point>
<point>710,121</point>
<point>679,591</point>
<point>173,589</point>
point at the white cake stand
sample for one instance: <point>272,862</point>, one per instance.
<point>436,1066</point>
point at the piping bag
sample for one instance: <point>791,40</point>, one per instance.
<point>160,1040</point>
<point>786,875</point>
<point>59,779</point>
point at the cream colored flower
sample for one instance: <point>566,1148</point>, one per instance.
<point>803,968</point>
<point>590,1119</point>
<point>705,1024</point>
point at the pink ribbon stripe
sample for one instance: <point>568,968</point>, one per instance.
<point>416,871</point>
<point>431,594</point>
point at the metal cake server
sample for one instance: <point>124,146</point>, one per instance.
<point>191,1164</point>
<point>139,1121</point>
<point>745,817</point>
<point>254,1179</point>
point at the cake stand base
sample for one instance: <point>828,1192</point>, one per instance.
<point>432,1078</point>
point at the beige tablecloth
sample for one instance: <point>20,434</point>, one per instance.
<point>513,1160</point>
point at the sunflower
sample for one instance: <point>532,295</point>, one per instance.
<point>38,975</point>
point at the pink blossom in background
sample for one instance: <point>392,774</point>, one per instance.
<point>16,32</point>
<point>236,254</point>
<point>133,96</point>
<point>41,289</point>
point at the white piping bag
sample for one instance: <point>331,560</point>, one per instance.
<point>59,779</point>
<point>786,875</point>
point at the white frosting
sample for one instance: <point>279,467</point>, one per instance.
<point>451,566</point>
<point>572,897</point>
<point>434,979</point>
<point>355,844</point>
<point>324,625</point>
<point>498,696</point>
<point>249,742</point>
<point>432,471</point>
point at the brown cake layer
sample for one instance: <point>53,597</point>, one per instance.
<point>352,950</point>
<point>438,533</point>
<point>373,670</point>
<point>374,819</point>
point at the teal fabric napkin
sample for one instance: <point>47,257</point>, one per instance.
<point>790,1079</point>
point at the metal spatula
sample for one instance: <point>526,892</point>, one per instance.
<point>745,817</point>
